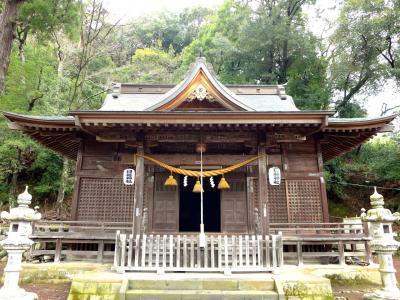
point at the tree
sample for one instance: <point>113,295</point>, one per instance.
<point>265,42</point>
<point>163,31</point>
<point>8,19</point>
<point>16,154</point>
<point>150,66</point>
<point>366,48</point>
<point>45,18</point>
<point>93,50</point>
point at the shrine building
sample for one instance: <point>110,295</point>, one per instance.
<point>239,160</point>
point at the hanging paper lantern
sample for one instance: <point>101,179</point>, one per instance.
<point>274,176</point>
<point>171,181</point>
<point>223,184</point>
<point>197,187</point>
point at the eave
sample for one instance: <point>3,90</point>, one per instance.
<point>343,135</point>
<point>60,135</point>
<point>94,118</point>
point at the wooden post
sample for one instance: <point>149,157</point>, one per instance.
<point>77,181</point>
<point>299,253</point>
<point>100,251</point>
<point>57,255</point>
<point>139,188</point>
<point>262,190</point>
<point>341,253</point>
<point>324,197</point>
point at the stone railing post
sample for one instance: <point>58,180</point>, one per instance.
<point>16,243</point>
<point>384,245</point>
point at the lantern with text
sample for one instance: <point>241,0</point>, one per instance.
<point>129,176</point>
<point>274,176</point>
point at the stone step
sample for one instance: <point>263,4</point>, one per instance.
<point>200,295</point>
<point>204,284</point>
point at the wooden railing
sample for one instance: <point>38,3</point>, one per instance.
<point>45,226</point>
<point>353,229</point>
<point>222,253</point>
<point>328,242</point>
<point>303,242</point>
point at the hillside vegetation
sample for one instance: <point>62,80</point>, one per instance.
<point>57,56</point>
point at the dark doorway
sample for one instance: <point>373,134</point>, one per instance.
<point>189,206</point>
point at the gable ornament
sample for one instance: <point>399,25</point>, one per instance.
<point>200,93</point>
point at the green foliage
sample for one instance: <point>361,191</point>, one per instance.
<point>161,31</point>
<point>375,163</point>
<point>35,165</point>
<point>29,82</point>
<point>366,49</point>
<point>45,18</point>
<point>66,53</point>
<point>264,42</point>
<point>149,66</point>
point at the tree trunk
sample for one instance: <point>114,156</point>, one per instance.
<point>61,189</point>
<point>13,189</point>
<point>284,64</point>
<point>7,34</point>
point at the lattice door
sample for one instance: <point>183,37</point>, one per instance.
<point>165,205</point>
<point>234,204</point>
<point>105,199</point>
<point>304,201</point>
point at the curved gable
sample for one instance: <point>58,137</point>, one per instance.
<point>200,91</point>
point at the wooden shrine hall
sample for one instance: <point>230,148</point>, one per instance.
<point>267,189</point>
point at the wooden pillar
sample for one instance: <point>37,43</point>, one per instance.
<point>77,181</point>
<point>324,197</point>
<point>57,254</point>
<point>138,195</point>
<point>262,189</point>
<point>100,251</point>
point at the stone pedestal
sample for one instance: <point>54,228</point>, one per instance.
<point>16,243</point>
<point>384,245</point>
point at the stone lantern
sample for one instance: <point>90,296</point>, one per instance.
<point>16,243</point>
<point>384,245</point>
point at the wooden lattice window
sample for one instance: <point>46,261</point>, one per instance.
<point>277,203</point>
<point>304,201</point>
<point>105,199</point>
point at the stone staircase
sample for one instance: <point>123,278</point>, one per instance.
<point>218,288</point>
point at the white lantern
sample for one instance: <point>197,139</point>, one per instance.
<point>129,176</point>
<point>274,176</point>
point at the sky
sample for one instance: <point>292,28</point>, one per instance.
<point>127,10</point>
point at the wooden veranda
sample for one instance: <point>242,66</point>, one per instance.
<point>95,241</point>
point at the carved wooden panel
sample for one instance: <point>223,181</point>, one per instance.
<point>304,201</point>
<point>234,204</point>
<point>277,203</point>
<point>105,199</point>
<point>165,205</point>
